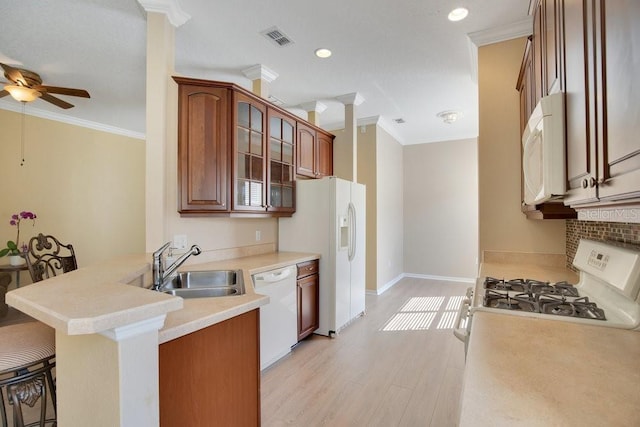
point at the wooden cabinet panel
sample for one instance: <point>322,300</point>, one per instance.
<point>308,305</point>
<point>249,154</point>
<point>202,148</point>
<point>552,32</point>
<point>537,54</point>
<point>212,375</point>
<point>281,161</point>
<point>308,296</point>
<point>579,105</point>
<point>325,155</point>
<point>307,153</point>
<point>617,69</point>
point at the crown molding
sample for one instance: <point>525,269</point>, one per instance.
<point>353,98</point>
<point>171,8</point>
<point>261,72</point>
<point>9,106</point>
<point>514,30</point>
<point>316,106</point>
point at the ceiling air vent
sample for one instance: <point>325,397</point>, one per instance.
<point>275,35</point>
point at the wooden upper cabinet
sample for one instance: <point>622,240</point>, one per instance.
<point>238,155</point>
<point>307,154</point>
<point>202,148</point>
<point>315,152</point>
<point>603,149</point>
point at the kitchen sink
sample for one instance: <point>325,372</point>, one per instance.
<point>221,291</point>
<point>203,284</point>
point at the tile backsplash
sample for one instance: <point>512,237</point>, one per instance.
<point>620,232</point>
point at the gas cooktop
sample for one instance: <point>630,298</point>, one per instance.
<point>533,296</point>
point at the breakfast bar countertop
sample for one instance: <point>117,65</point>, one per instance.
<point>98,298</point>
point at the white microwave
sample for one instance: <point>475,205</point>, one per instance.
<point>543,152</point>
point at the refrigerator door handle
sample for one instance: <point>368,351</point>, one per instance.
<point>352,231</point>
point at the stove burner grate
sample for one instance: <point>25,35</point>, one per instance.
<point>560,299</point>
<point>531,286</point>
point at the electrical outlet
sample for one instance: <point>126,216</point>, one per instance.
<point>180,241</point>
<point>258,235</point>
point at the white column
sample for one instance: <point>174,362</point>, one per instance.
<point>162,18</point>
<point>261,76</point>
<point>345,150</point>
<point>109,379</point>
<point>313,109</point>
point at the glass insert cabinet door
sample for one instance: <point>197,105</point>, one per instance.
<point>282,132</point>
<point>250,174</point>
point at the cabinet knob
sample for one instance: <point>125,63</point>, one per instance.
<point>592,182</point>
<point>585,183</point>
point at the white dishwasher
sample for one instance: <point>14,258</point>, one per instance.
<point>279,318</point>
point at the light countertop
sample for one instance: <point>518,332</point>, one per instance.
<point>199,313</point>
<point>523,371</point>
<point>96,298</point>
<point>526,371</point>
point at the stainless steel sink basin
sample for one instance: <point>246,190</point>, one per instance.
<point>203,284</point>
<point>221,291</point>
<point>205,279</point>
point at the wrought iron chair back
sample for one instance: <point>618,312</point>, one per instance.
<point>47,257</point>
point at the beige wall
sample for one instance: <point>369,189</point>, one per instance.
<point>503,227</point>
<point>86,186</point>
<point>367,161</point>
<point>441,209</point>
<point>390,207</point>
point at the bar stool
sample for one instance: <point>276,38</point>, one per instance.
<point>27,357</point>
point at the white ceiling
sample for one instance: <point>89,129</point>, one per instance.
<point>404,58</point>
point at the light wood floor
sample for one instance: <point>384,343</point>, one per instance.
<point>370,377</point>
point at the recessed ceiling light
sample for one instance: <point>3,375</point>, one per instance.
<point>448,116</point>
<point>323,52</point>
<point>458,14</point>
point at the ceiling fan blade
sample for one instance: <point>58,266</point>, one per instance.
<point>13,74</point>
<point>56,101</point>
<point>3,93</point>
<point>63,91</point>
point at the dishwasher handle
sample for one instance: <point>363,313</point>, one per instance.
<point>271,277</point>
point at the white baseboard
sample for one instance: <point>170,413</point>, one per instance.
<point>395,280</point>
<point>445,278</point>
<point>387,286</point>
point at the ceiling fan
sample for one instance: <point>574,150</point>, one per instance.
<point>26,86</point>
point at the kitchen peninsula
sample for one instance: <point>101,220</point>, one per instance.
<point>108,332</point>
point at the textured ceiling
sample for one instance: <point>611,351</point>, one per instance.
<point>404,58</point>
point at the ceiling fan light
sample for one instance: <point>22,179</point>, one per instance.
<point>22,93</point>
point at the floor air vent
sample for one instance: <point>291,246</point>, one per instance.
<point>275,35</point>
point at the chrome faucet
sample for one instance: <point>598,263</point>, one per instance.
<point>160,272</point>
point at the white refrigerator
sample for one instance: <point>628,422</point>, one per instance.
<point>330,220</point>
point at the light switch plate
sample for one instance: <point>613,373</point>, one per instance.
<point>180,241</point>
